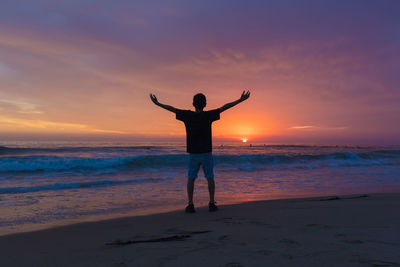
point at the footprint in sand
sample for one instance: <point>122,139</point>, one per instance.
<point>287,256</point>
<point>233,264</point>
<point>379,263</point>
<point>230,220</point>
<point>340,235</point>
<point>317,226</point>
<point>238,221</point>
<point>263,252</point>
<point>289,242</point>
<point>355,241</point>
<point>122,263</point>
<point>224,238</point>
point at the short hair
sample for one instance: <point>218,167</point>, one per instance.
<point>199,101</point>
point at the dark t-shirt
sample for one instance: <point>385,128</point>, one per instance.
<point>198,129</point>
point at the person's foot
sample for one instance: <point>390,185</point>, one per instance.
<point>190,209</point>
<point>212,207</point>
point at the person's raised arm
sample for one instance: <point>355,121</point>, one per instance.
<point>167,107</point>
<point>245,95</point>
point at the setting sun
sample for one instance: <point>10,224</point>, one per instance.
<point>244,140</point>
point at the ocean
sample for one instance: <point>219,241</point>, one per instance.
<point>47,184</point>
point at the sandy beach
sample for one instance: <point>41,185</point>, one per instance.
<point>357,230</point>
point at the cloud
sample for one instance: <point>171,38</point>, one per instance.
<point>49,126</point>
<point>20,106</point>
<point>313,127</point>
<point>303,127</point>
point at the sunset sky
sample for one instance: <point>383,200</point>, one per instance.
<point>318,71</point>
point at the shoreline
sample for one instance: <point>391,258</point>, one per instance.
<point>163,210</point>
<point>352,230</point>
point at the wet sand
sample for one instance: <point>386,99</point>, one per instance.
<point>359,230</point>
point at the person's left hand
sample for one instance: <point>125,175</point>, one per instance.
<point>154,99</point>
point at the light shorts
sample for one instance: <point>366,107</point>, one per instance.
<point>204,159</point>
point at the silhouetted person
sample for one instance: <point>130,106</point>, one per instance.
<point>199,141</point>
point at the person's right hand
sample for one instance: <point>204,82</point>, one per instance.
<point>245,95</point>
<point>154,99</point>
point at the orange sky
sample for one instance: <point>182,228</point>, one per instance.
<point>325,75</point>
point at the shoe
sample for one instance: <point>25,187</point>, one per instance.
<point>212,207</point>
<point>190,209</point>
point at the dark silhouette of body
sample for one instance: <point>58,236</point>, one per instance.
<point>199,141</point>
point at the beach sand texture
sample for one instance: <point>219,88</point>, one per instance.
<point>361,230</point>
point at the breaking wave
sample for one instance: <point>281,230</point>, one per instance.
<point>34,163</point>
<point>64,186</point>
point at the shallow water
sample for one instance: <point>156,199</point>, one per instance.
<point>48,184</point>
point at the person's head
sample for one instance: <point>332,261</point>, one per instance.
<point>199,101</point>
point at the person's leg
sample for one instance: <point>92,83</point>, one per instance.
<point>190,189</point>
<point>211,189</point>
<point>193,169</point>
<point>208,168</point>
